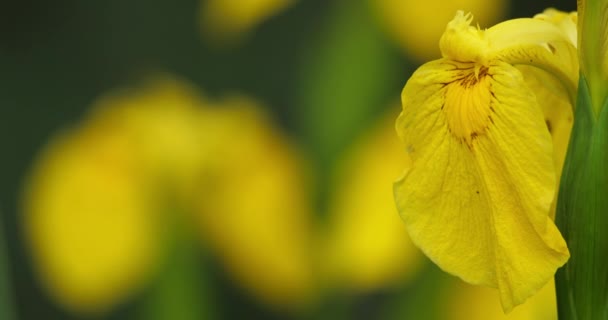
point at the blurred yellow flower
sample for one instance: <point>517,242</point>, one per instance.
<point>255,211</point>
<point>416,25</point>
<point>477,196</point>
<point>87,218</point>
<point>166,121</point>
<point>95,204</point>
<point>230,19</point>
<point>367,246</point>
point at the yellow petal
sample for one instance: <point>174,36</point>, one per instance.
<point>253,208</point>
<point>558,112</point>
<point>87,219</point>
<point>536,42</point>
<point>476,199</point>
<point>367,246</point>
<point>565,21</point>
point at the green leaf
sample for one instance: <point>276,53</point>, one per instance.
<point>347,76</point>
<point>182,289</point>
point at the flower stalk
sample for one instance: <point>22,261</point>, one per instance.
<point>593,45</point>
<point>582,284</point>
<point>581,216</point>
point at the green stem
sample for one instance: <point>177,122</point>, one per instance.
<point>592,49</point>
<point>181,291</point>
<point>582,215</point>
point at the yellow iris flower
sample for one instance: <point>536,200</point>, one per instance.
<point>87,212</point>
<point>478,194</point>
<point>95,204</point>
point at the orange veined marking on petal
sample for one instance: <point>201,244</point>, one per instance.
<point>468,105</point>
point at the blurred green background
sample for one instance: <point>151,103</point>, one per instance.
<point>325,71</point>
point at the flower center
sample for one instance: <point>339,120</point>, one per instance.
<point>468,106</point>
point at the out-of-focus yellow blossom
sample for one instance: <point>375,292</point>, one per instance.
<point>477,196</point>
<point>95,206</point>
<point>467,302</point>
<point>166,121</point>
<point>255,211</point>
<point>367,247</point>
<point>229,19</point>
<point>88,218</point>
<point>416,25</point>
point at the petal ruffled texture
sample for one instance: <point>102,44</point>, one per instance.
<point>558,111</point>
<point>478,194</point>
<point>541,43</point>
<point>553,95</point>
<point>476,199</point>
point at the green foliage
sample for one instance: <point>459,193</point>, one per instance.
<point>346,79</point>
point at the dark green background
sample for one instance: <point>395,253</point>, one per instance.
<point>57,56</point>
